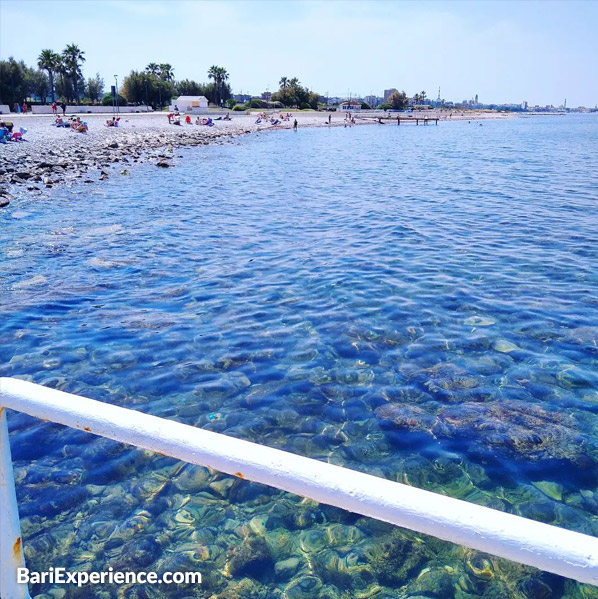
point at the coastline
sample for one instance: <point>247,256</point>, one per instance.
<point>51,156</point>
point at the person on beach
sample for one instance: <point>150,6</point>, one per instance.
<point>8,125</point>
<point>329,119</point>
<point>18,108</point>
<point>295,123</point>
<point>24,108</point>
<point>54,108</point>
<point>197,121</point>
<point>63,106</point>
<point>188,120</point>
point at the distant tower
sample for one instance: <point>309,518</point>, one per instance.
<point>565,104</point>
<point>438,98</point>
<point>476,98</point>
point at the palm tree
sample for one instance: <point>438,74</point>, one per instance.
<point>153,68</point>
<point>73,58</point>
<point>49,61</point>
<point>219,75</point>
<point>166,72</point>
<point>284,83</point>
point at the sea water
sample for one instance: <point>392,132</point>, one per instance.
<point>419,303</point>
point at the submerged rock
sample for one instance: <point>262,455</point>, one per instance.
<point>251,558</point>
<point>513,429</point>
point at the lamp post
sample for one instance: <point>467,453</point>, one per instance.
<point>116,87</point>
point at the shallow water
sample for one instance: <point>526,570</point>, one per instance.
<point>415,302</point>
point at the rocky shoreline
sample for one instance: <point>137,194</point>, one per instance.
<point>50,156</point>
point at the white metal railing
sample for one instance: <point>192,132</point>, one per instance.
<point>547,547</point>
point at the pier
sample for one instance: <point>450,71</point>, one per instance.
<point>425,120</point>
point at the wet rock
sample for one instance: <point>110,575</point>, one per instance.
<point>23,175</point>
<point>435,582</point>
<point>163,164</point>
<point>285,569</point>
<point>4,201</point>
<point>494,430</point>
<point>395,558</point>
<point>252,558</point>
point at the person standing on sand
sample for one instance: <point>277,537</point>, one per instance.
<point>329,119</point>
<point>295,125</point>
<point>24,108</point>
<point>63,106</point>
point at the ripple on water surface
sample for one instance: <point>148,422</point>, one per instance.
<point>417,303</point>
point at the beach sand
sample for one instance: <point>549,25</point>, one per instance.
<point>52,156</point>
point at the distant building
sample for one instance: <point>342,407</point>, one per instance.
<point>476,99</point>
<point>373,101</point>
<point>266,96</point>
<point>192,104</point>
<point>242,98</point>
<point>350,105</point>
<point>524,105</point>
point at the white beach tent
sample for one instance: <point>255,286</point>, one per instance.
<point>191,104</point>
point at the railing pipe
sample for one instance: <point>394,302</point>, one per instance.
<point>11,544</point>
<point>543,546</point>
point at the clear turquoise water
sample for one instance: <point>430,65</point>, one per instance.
<point>418,303</point>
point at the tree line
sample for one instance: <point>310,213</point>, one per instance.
<point>156,86</point>
<point>57,76</point>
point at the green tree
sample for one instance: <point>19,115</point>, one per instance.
<point>220,76</point>
<point>49,61</point>
<point>14,86</point>
<point>284,83</point>
<point>142,87</point>
<point>38,83</point>
<point>153,69</point>
<point>398,100</point>
<point>73,58</point>
<point>188,87</point>
<point>166,72</point>
<point>95,88</point>
<point>292,93</point>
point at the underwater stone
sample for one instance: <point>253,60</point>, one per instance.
<point>286,568</point>
<point>435,582</point>
<point>479,321</point>
<point>395,558</point>
<point>550,489</point>
<point>251,558</point>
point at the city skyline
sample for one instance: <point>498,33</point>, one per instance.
<point>506,52</point>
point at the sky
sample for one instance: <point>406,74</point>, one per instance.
<point>504,51</point>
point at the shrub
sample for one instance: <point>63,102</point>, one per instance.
<point>239,107</point>
<point>257,103</point>
<point>384,106</point>
<point>304,105</point>
<point>365,106</point>
<point>107,100</point>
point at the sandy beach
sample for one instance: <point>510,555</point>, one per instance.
<point>51,156</point>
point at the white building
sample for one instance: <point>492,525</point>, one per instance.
<point>190,104</point>
<point>350,106</point>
